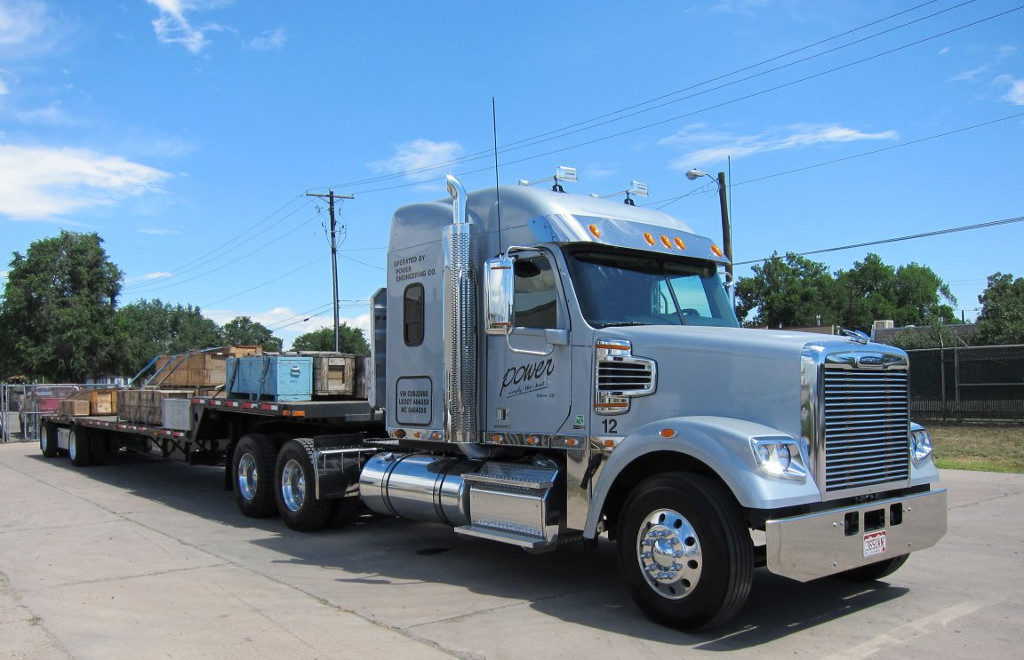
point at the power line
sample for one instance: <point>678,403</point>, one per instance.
<point>561,132</point>
<point>897,239</point>
<point>715,106</point>
<point>262,284</point>
<point>672,200</point>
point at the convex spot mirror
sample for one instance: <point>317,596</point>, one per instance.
<point>499,287</point>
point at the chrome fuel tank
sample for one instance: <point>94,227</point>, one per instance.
<point>417,486</point>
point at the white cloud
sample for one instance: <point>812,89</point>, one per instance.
<point>3,274</point>
<point>3,87</point>
<point>269,40</point>
<point>720,145</point>
<point>21,22</point>
<point>416,155</point>
<point>1006,50</point>
<point>944,50</point>
<point>970,74</point>
<point>598,171</point>
<point>49,115</point>
<point>148,277</point>
<point>296,324</point>
<point>1015,94</point>
<point>159,231</point>
<point>173,26</point>
<point>37,183</point>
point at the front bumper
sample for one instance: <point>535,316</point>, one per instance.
<point>819,544</point>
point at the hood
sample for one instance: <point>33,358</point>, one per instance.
<point>727,372</point>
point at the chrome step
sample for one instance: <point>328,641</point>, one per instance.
<point>526,541</point>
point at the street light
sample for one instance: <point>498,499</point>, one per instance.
<point>723,200</point>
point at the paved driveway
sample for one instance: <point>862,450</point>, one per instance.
<point>150,558</point>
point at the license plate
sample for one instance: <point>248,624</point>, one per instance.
<point>874,543</point>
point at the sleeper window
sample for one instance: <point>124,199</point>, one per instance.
<point>412,314</point>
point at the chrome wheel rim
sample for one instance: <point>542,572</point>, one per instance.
<point>669,554</point>
<point>248,476</point>
<point>293,485</point>
<point>73,446</point>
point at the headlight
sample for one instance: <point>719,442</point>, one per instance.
<point>779,457</point>
<point>920,445</point>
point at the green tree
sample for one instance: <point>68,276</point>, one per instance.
<point>243,330</point>
<point>1002,310</point>
<point>932,336</point>
<point>786,292</point>
<point>351,340</point>
<point>59,306</point>
<point>908,295</point>
<point>151,327</point>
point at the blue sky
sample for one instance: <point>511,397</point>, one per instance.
<point>185,132</point>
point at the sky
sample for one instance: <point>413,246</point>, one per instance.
<point>187,132</point>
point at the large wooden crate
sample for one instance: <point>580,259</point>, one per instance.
<point>145,406</point>
<point>198,369</point>
<point>102,402</point>
<point>74,407</point>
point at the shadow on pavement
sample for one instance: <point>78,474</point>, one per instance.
<point>572,584</point>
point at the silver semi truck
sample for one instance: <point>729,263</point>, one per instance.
<point>550,368</point>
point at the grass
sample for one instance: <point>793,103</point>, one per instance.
<point>987,447</point>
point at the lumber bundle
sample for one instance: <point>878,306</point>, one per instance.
<point>197,369</point>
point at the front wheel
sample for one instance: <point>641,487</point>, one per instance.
<point>295,482</point>
<point>685,551</point>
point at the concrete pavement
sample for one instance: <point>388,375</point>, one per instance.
<point>150,558</point>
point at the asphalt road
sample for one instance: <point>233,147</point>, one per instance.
<point>149,558</point>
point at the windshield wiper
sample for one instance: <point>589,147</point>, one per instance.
<point>609,324</point>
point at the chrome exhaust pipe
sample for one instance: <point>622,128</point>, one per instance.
<point>460,314</point>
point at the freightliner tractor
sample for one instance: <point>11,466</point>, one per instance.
<point>550,368</point>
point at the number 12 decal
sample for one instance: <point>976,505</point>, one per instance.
<point>610,425</point>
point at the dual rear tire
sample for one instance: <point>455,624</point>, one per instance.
<point>268,482</point>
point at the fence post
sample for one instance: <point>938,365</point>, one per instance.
<point>956,379</point>
<point>942,377</point>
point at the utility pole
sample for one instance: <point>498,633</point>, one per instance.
<point>334,255</point>
<point>723,200</point>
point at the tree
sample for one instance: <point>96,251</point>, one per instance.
<point>908,295</point>
<point>1002,310</point>
<point>935,335</point>
<point>786,292</point>
<point>243,330</point>
<point>58,308</point>
<point>351,340</point>
<point>151,327</point>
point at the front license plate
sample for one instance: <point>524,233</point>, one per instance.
<point>874,543</point>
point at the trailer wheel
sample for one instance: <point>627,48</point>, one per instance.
<point>99,447</point>
<point>48,440</point>
<point>254,475</point>
<point>875,571</point>
<point>685,551</point>
<point>295,482</point>
<point>78,448</point>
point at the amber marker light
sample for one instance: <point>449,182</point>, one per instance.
<point>680,243</point>
<point>667,433</point>
<point>717,251</point>
<point>399,433</point>
<point>496,438</point>
<point>594,230</point>
<point>665,241</point>
<point>649,237</point>
<point>571,442</point>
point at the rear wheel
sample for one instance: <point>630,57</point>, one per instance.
<point>48,440</point>
<point>295,482</point>
<point>875,571</point>
<point>254,475</point>
<point>685,551</point>
<point>78,447</point>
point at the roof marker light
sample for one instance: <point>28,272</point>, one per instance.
<point>717,251</point>
<point>664,241</point>
<point>594,230</point>
<point>649,237</point>
<point>680,243</point>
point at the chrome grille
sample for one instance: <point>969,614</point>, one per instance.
<point>625,375</point>
<point>866,421</point>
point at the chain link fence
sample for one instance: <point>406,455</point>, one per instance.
<point>968,382</point>
<point>22,407</point>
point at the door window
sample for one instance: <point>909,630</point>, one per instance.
<point>536,296</point>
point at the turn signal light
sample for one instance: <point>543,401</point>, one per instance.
<point>667,433</point>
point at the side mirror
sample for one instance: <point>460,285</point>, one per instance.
<point>499,286</point>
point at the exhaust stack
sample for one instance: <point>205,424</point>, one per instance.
<point>460,336</point>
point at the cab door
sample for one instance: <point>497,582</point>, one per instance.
<point>529,369</point>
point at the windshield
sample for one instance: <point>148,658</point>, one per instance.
<point>620,288</point>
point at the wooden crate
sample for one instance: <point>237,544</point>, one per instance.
<point>198,369</point>
<point>144,406</point>
<point>102,402</point>
<point>334,375</point>
<point>74,407</point>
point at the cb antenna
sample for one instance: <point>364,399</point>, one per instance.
<point>497,189</point>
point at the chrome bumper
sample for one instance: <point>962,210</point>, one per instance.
<point>817,544</point>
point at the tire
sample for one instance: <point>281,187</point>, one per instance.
<point>253,468</point>
<point>294,484</point>
<point>99,449</point>
<point>875,571</point>
<point>694,523</point>
<point>48,440</point>
<point>79,448</point>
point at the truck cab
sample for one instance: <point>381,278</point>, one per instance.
<point>578,363</point>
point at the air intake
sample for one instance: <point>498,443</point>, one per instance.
<point>620,376</point>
